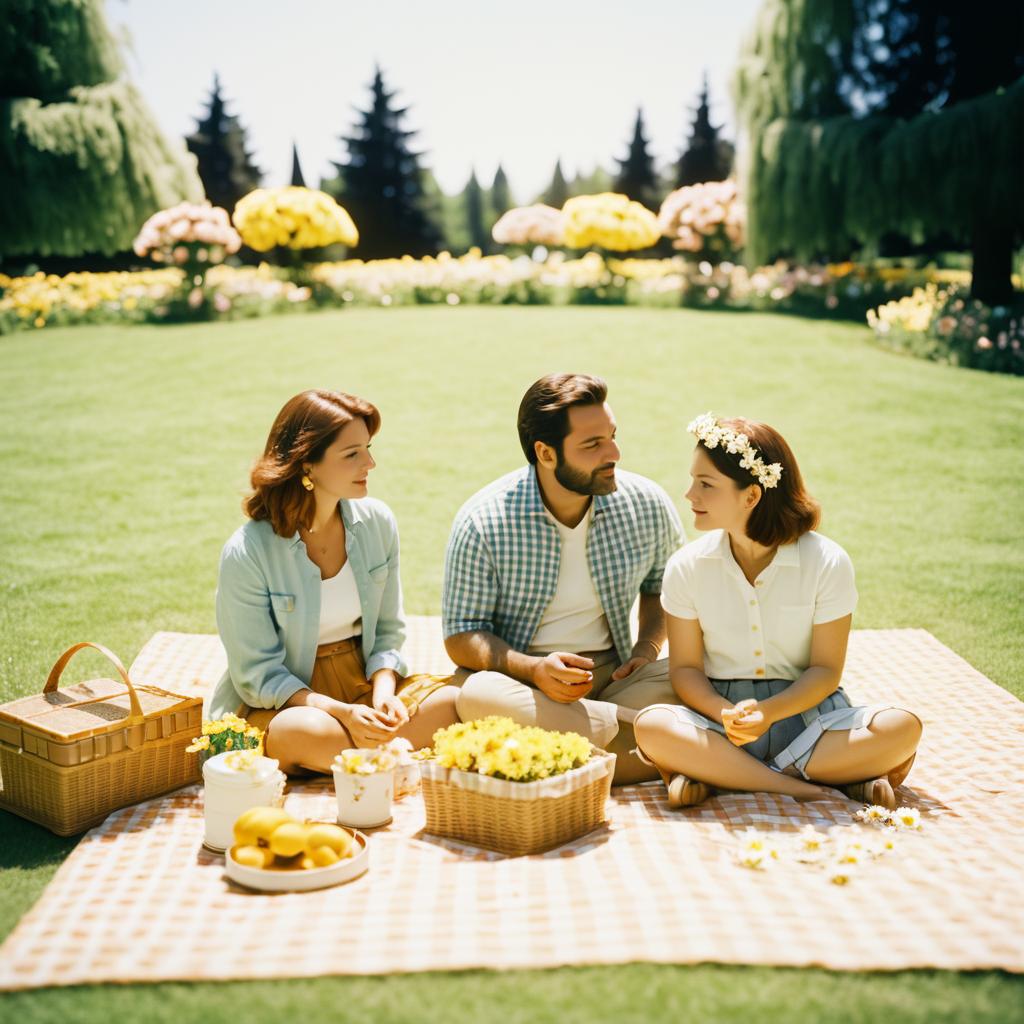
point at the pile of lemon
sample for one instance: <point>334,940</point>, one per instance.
<point>268,837</point>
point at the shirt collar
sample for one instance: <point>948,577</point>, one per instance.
<point>788,555</point>
<point>351,515</point>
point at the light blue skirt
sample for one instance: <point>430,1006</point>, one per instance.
<point>792,740</point>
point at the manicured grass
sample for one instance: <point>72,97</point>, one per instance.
<point>126,451</point>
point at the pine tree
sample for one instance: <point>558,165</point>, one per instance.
<point>849,146</point>
<point>219,146</point>
<point>706,156</point>
<point>636,176</point>
<point>297,179</point>
<point>381,184</point>
<point>501,195</point>
<point>473,210</point>
<point>82,161</point>
<point>558,191</point>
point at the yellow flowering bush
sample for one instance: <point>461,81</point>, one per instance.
<point>294,218</point>
<point>608,220</point>
<point>914,312</point>
<point>227,733</point>
<point>496,746</point>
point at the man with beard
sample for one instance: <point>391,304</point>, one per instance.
<point>542,569</point>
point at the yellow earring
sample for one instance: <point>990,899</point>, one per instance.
<point>306,482</point>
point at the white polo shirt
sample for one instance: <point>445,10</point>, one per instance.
<point>761,631</point>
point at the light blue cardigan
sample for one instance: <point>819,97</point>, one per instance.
<point>268,606</point>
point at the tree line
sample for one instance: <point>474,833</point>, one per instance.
<point>383,181</point>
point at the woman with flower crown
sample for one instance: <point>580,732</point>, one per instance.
<point>758,614</point>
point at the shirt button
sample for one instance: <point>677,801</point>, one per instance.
<point>759,672</point>
<point>757,654</point>
<point>752,603</point>
<point>754,628</point>
<point>759,583</point>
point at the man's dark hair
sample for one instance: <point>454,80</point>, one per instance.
<point>544,410</point>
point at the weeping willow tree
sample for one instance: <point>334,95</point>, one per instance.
<point>82,162</point>
<point>872,118</point>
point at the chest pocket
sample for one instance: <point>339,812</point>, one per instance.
<point>281,605</point>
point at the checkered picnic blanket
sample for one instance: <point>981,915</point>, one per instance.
<point>141,900</point>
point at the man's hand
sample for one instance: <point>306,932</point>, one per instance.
<point>629,667</point>
<point>564,677</point>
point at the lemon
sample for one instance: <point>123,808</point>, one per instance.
<point>259,823</point>
<point>288,839</point>
<point>322,857</point>
<point>252,856</point>
<point>330,836</point>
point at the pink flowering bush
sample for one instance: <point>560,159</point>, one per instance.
<point>706,220</point>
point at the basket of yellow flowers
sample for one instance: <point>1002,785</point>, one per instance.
<point>515,789</point>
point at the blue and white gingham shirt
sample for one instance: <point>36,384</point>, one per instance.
<point>501,566</point>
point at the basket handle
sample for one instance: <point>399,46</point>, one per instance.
<point>55,673</point>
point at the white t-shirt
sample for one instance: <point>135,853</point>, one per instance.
<point>761,631</point>
<point>575,619</point>
<point>340,611</point>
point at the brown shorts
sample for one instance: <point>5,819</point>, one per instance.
<point>340,672</point>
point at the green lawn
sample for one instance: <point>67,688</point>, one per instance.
<point>125,455</point>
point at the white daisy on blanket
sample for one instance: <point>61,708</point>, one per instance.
<point>757,850</point>
<point>841,874</point>
<point>872,814</point>
<point>906,817</point>
<point>811,845</point>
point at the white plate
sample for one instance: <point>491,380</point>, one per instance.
<point>297,880</point>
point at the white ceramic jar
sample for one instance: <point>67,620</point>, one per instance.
<point>229,790</point>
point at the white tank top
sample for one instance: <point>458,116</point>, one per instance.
<point>340,612</point>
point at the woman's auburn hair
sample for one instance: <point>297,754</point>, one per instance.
<point>304,429</point>
<point>786,511</point>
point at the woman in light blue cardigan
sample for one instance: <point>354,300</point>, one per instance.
<point>309,600</point>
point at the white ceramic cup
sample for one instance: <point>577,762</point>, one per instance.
<point>364,801</point>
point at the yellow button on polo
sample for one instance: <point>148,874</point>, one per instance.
<point>757,654</point>
<point>754,628</point>
<point>759,672</point>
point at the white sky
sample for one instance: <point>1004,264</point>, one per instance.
<point>522,83</point>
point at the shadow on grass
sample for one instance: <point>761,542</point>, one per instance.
<point>27,845</point>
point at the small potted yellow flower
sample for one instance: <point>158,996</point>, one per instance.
<point>515,789</point>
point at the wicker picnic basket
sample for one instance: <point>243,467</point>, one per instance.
<point>517,817</point>
<point>69,757</point>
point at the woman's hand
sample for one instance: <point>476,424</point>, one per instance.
<point>365,725</point>
<point>391,710</point>
<point>745,722</point>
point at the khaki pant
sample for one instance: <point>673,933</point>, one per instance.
<point>594,716</point>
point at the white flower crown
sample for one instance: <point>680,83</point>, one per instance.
<point>711,434</point>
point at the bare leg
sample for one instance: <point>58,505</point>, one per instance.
<point>855,755</point>
<point>708,757</point>
<point>306,739</point>
<point>437,711</point>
